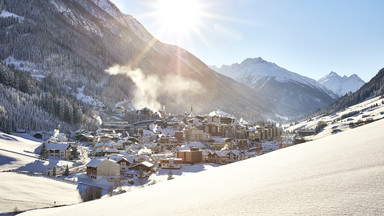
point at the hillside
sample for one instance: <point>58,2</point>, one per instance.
<point>341,85</point>
<point>293,95</point>
<point>343,120</point>
<point>29,192</point>
<point>91,45</point>
<point>341,174</point>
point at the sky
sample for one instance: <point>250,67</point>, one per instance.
<point>309,37</point>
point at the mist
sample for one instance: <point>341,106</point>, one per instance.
<point>150,88</point>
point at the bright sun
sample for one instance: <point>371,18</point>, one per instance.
<point>178,16</point>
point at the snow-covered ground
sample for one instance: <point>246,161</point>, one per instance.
<point>17,152</point>
<point>365,112</point>
<point>341,174</point>
<point>28,192</point>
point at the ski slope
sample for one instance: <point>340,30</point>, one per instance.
<point>341,174</point>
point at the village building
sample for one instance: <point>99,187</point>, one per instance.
<point>191,156</point>
<point>62,151</point>
<point>102,167</point>
<point>171,163</point>
<point>194,134</point>
<point>144,166</point>
<point>125,163</point>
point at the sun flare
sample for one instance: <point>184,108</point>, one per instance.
<point>178,17</point>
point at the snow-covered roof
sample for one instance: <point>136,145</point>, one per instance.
<point>220,114</point>
<point>146,163</point>
<point>94,162</point>
<point>57,146</point>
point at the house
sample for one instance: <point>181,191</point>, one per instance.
<point>144,166</point>
<point>125,164</point>
<point>62,151</point>
<point>191,156</point>
<point>171,163</point>
<point>217,157</point>
<point>102,167</point>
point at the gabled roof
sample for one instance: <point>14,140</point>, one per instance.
<point>57,146</point>
<point>145,163</point>
<point>94,162</point>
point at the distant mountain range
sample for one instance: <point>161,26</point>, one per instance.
<point>341,85</point>
<point>292,94</point>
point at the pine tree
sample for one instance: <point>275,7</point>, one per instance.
<point>43,152</point>
<point>66,172</point>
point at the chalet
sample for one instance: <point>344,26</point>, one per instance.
<point>144,166</point>
<point>170,163</point>
<point>217,157</point>
<point>59,150</point>
<point>125,163</point>
<point>191,156</point>
<point>102,167</point>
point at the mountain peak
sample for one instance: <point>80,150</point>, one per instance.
<point>341,85</point>
<point>254,60</point>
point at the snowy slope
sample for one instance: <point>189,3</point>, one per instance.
<point>29,192</point>
<point>364,112</point>
<point>15,151</point>
<point>341,85</point>
<point>337,175</point>
<point>18,153</point>
<point>124,19</point>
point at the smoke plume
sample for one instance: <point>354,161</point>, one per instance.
<point>149,88</point>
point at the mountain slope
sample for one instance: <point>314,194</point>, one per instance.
<point>74,43</point>
<point>323,177</point>
<point>341,85</point>
<point>374,88</point>
<point>292,94</point>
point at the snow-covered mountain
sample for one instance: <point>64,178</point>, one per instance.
<point>341,85</point>
<point>69,44</point>
<point>328,176</point>
<point>293,94</point>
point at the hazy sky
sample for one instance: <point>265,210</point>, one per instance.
<point>309,37</point>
